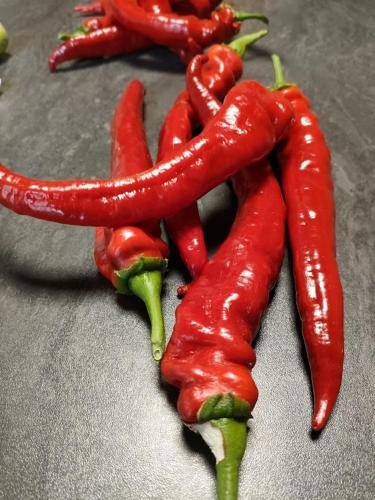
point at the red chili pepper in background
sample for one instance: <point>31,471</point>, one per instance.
<point>106,42</point>
<point>179,32</point>
<point>305,163</point>
<point>224,67</point>
<point>245,130</point>
<point>209,357</point>
<point>90,9</point>
<point>200,8</point>
<point>110,39</point>
<point>134,258</point>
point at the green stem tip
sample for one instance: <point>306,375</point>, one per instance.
<point>81,30</point>
<point>280,82</point>
<point>234,435</point>
<point>241,16</point>
<point>240,45</point>
<point>226,438</point>
<point>147,286</point>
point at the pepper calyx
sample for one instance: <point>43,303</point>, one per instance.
<point>239,45</point>
<point>224,406</point>
<point>65,35</point>
<point>141,265</point>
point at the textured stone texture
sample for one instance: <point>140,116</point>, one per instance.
<point>83,415</point>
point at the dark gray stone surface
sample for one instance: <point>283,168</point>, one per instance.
<point>83,415</point>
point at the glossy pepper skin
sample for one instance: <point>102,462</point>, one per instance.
<point>104,42</point>
<point>133,258</point>
<point>173,30</point>
<point>222,69</point>
<point>244,131</point>
<point>209,356</point>
<point>184,227</point>
<point>305,163</point>
<point>209,352</point>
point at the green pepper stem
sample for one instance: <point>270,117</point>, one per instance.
<point>234,434</point>
<point>147,286</point>
<point>279,72</point>
<point>240,44</point>
<point>240,16</point>
<point>280,82</point>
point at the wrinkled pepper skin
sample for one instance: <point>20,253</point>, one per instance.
<point>307,184</point>
<point>173,30</point>
<point>221,70</point>
<point>244,131</point>
<point>209,352</point>
<point>184,227</point>
<point>104,42</point>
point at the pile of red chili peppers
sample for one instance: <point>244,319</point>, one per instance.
<point>217,129</point>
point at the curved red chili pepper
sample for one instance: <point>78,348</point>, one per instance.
<point>177,32</point>
<point>184,227</point>
<point>106,42</point>
<point>244,131</point>
<point>209,355</point>
<point>307,183</point>
<point>133,258</point>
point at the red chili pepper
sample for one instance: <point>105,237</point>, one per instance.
<point>224,67</point>
<point>244,131</point>
<point>134,258</point>
<point>178,32</point>
<point>90,9</point>
<point>200,8</point>
<point>106,42</point>
<point>209,355</point>
<point>307,183</point>
<point>184,227</point>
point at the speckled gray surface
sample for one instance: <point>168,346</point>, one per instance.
<point>83,415</point>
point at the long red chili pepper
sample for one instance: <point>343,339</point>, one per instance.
<point>209,355</point>
<point>102,37</point>
<point>244,131</point>
<point>223,68</point>
<point>176,31</point>
<point>105,42</point>
<point>307,183</point>
<point>134,258</point>
<point>184,227</point>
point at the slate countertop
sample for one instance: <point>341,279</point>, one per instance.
<point>83,413</point>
